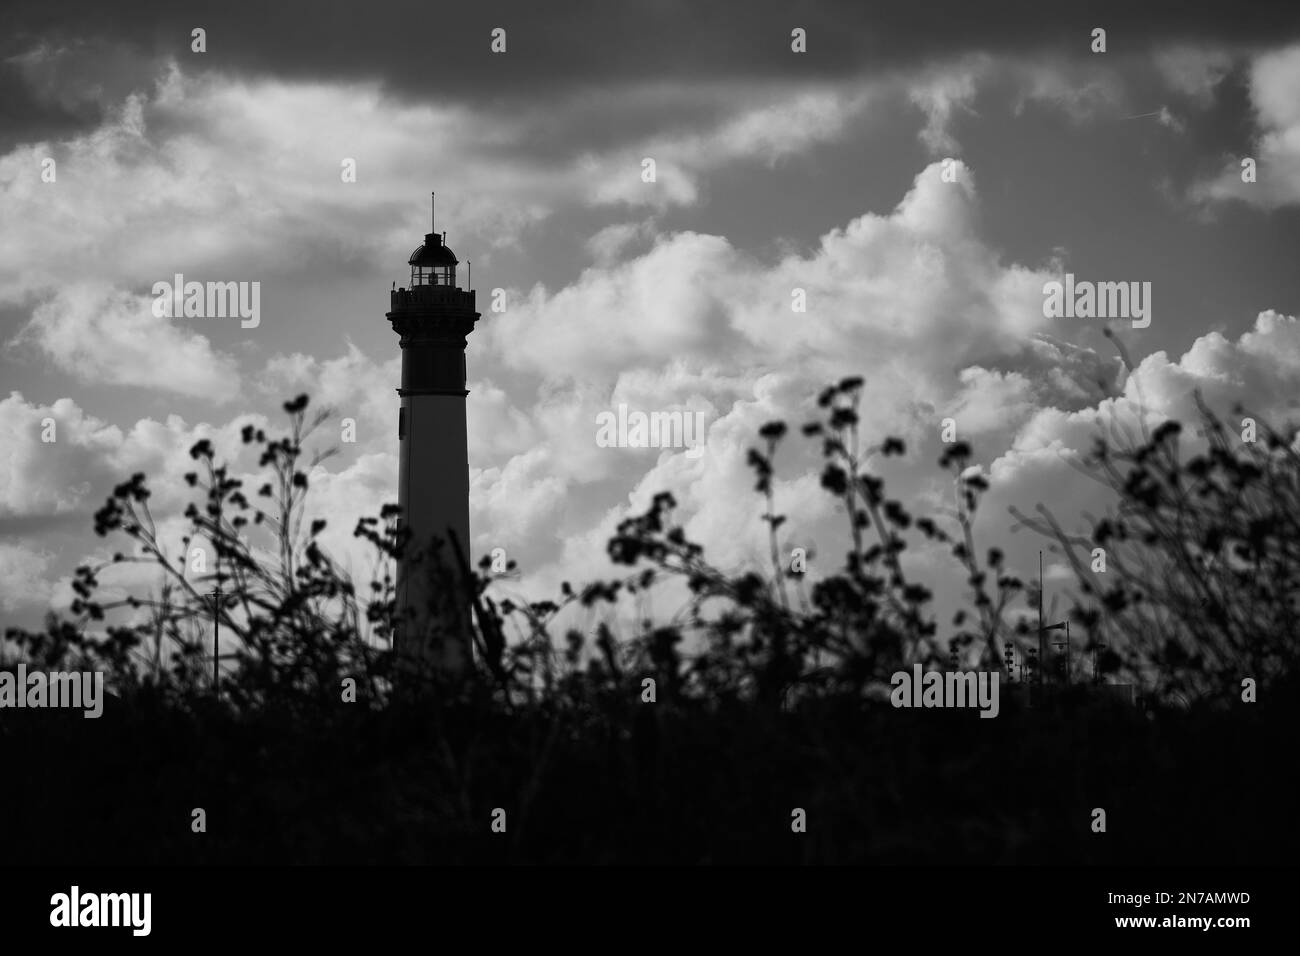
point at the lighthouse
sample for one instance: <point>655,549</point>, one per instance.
<point>432,318</point>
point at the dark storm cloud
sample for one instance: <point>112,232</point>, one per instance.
<point>443,48</point>
<point>25,118</point>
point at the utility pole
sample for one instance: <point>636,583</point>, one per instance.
<point>1044,628</point>
<point>1066,645</point>
<point>1042,634</point>
<point>1060,626</point>
<point>216,635</point>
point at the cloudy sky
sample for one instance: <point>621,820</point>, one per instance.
<point>775,170</point>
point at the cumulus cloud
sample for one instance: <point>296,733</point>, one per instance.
<point>1275,97</point>
<point>353,385</point>
<point>915,298</point>
<point>191,173</point>
<point>765,132</point>
<point>916,285</point>
<point>75,471</point>
<point>908,298</point>
<point>25,575</point>
<point>73,474</point>
<point>195,172</point>
<point>1259,370</point>
<point>101,335</point>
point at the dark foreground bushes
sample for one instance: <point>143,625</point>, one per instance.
<point>770,696</point>
<point>654,784</point>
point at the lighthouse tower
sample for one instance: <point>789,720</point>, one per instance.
<point>432,317</point>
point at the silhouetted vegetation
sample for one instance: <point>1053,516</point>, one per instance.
<point>1203,559</point>
<point>770,692</point>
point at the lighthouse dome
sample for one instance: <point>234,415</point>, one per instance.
<point>433,253</point>
<point>433,263</point>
